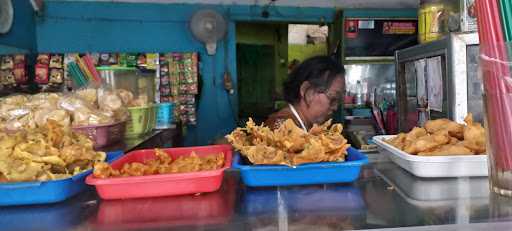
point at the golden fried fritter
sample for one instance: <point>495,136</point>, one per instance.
<point>447,150</point>
<point>453,128</point>
<point>426,143</point>
<point>442,137</point>
<point>474,135</point>
<point>45,153</point>
<point>162,164</point>
<point>290,145</point>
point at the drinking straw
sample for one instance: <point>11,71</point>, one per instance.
<point>492,41</point>
<point>83,67</point>
<point>74,77</point>
<point>76,70</point>
<point>90,65</point>
<point>506,18</point>
<point>494,46</point>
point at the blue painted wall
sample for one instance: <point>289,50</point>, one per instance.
<point>69,26</point>
<point>21,36</point>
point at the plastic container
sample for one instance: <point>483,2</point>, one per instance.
<point>131,79</point>
<point>44,192</point>
<point>162,184</point>
<point>433,19</point>
<point>164,115</point>
<point>359,93</point>
<point>142,120</point>
<point>314,173</point>
<point>103,135</point>
<point>435,166</point>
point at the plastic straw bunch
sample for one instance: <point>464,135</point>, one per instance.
<point>494,30</point>
<point>83,71</point>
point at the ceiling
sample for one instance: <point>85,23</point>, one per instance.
<point>372,4</point>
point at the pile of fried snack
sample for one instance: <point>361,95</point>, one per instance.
<point>290,145</point>
<point>443,137</point>
<point>162,164</point>
<point>45,153</point>
<point>89,106</point>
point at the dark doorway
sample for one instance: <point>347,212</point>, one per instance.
<point>256,81</point>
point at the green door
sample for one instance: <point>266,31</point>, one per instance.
<point>256,79</point>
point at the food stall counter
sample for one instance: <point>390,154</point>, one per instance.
<point>385,197</point>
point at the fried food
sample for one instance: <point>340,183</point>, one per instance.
<point>474,135</point>
<point>46,153</point>
<point>453,128</point>
<point>427,142</point>
<point>290,145</point>
<point>162,164</point>
<point>448,149</point>
<point>443,137</point>
<point>403,140</point>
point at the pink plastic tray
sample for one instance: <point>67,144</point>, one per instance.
<point>162,184</point>
<point>103,135</point>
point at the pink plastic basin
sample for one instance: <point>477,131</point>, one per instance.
<point>103,135</point>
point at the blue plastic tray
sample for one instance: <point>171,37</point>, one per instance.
<point>44,192</point>
<point>315,173</point>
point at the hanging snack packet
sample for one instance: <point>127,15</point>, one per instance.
<point>192,89</point>
<point>131,60</point>
<point>56,61</point>
<point>56,76</point>
<point>7,62</point>
<point>141,60</point>
<point>195,62</point>
<point>122,58</point>
<point>20,75</point>
<point>113,60</point>
<point>7,77</point>
<point>43,59</point>
<point>164,81</point>
<point>41,74</point>
<point>104,59</point>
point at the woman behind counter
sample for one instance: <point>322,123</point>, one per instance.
<point>313,92</point>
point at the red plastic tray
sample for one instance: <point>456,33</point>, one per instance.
<point>162,184</point>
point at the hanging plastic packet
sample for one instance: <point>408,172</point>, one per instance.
<point>56,76</point>
<point>113,60</point>
<point>41,69</point>
<point>56,71</point>
<point>151,61</point>
<point>56,61</point>
<point>141,60</point>
<point>131,60</point>
<point>20,70</point>
<point>122,59</point>
<point>7,62</point>
<point>104,59</point>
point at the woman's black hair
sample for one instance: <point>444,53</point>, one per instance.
<point>319,71</point>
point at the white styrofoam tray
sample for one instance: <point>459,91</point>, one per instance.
<point>435,166</point>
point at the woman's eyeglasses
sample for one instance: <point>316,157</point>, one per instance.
<point>334,99</point>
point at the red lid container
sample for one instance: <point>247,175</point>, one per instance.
<point>162,184</point>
